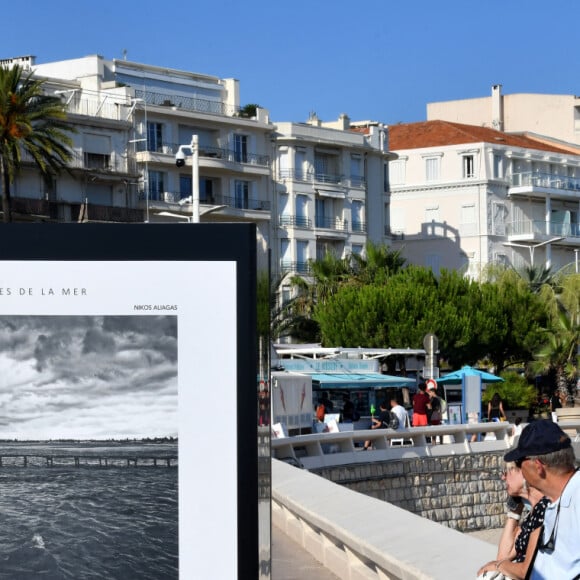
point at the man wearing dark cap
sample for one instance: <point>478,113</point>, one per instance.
<point>545,455</point>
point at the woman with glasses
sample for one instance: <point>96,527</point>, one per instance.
<point>519,539</point>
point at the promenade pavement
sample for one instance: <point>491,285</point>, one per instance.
<point>292,562</point>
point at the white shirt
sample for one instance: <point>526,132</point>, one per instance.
<point>564,561</point>
<point>402,415</point>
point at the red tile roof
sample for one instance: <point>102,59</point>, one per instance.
<point>441,133</point>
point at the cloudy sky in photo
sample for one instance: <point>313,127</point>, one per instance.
<point>80,377</point>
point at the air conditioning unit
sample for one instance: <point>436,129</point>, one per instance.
<point>169,197</point>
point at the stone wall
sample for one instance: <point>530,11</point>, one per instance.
<point>463,492</point>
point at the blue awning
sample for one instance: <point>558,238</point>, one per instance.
<point>359,381</point>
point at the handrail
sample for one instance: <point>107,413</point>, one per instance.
<point>318,450</point>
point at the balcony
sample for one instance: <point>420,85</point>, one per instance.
<point>331,223</point>
<point>359,227</point>
<point>160,198</point>
<point>298,267</point>
<point>541,183</point>
<point>540,231</point>
<point>207,152</point>
<point>297,221</point>
<point>185,103</point>
<point>312,177</point>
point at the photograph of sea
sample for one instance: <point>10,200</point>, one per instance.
<point>88,447</point>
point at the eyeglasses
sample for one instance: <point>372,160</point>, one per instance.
<point>550,545</point>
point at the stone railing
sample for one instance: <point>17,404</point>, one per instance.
<point>331,449</point>
<point>356,536</point>
<point>376,514</point>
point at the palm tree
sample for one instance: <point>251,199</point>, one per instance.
<point>560,354</point>
<point>31,123</point>
<point>377,264</point>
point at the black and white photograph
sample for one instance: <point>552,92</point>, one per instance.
<point>88,445</point>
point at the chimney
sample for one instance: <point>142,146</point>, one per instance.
<point>496,108</point>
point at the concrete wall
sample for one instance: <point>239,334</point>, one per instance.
<point>463,492</point>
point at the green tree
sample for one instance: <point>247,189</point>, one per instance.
<point>377,264</point>
<point>31,123</point>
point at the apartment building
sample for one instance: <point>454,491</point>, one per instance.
<point>159,110</point>
<point>330,189</point>
<point>465,196</point>
<point>311,188</point>
<point>555,116</point>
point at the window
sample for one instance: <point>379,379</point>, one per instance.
<point>357,249</point>
<point>300,164</point>
<point>322,213</point>
<point>241,148</point>
<point>385,177</point>
<point>357,214</point>
<point>301,256</point>
<point>432,168</point>
<point>355,170</point>
<point>497,166</point>
<point>156,187</point>
<point>326,167</point>
<point>97,161</point>
<point>397,170</point>
<point>241,194</point>
<point>468,225</point>
<point>185,189</point>
<point>302,210</point>
<point>154,136</point>
<point>468,167</point>
<point>284,163</point>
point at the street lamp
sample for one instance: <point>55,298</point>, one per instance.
<point>183,152</point>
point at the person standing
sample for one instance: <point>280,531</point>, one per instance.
<point>437,410</point>
<point>545,455</point>
<point>401,414</point>
<point>421,404</point>
<point>495,410</point>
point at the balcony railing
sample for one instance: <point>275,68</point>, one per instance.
<point>299,267</point>
<point>327,178</point>
<point>541,228</point>
<point>359,227</point>
<point>209,152</point>
<point>173,197</point>
<point>331,223</point>
<point>311,176</point>
<point>298,221</point>
<point>101,108</point>
<point>187,103</point>
<point>544,180</point>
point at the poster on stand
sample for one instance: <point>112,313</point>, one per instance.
<point>128,431</point>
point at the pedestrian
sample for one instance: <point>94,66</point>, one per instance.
<point>437,408</point>
<point>495,410</point>
<point>421,405</point>
<point>520,535</point>
<point>545,455</point>
<point>401,414</point>
<point>347,409</point>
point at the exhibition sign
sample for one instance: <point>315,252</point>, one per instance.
<point>129,365</point>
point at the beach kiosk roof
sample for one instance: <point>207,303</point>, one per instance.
<point>359,381</point>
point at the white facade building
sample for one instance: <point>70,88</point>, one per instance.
<point>464,196</point>
<point>330,189</point>
<point>160,109</point>
<point>556,116</point>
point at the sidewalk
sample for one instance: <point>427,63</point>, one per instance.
<point>291,562</point>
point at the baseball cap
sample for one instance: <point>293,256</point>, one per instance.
<point>538,438</point>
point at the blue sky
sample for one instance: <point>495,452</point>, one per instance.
<point>382,60</point>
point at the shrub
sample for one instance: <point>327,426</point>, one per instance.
<point>515,391</point>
